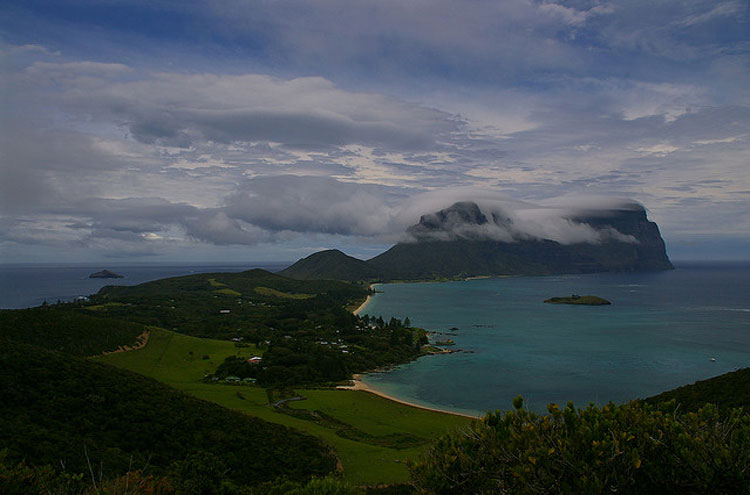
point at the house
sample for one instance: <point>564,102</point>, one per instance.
<point>232,379</point>
<point>255,360</point>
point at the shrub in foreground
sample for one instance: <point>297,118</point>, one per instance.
<point>630,448</point>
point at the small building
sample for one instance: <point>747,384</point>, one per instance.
<point>255,360</point>
<point>224,311</point>
<point>232,379</point>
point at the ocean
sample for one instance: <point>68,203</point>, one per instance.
<point>663,330</point>
<point>24,286</point>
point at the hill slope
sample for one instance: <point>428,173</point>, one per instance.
<point>726,391</point>
<point>331,264</point>
<point>66,330</point>
<point>52,405</point>
<point>255,304</point>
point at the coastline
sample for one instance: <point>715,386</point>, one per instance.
<point>362,306</point>
<point>358,384</point>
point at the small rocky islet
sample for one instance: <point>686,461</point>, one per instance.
<point>106,274</point>
<point>582,300</point>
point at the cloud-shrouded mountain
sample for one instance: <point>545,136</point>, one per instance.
<point>464,241</point>
<point>260,130</point>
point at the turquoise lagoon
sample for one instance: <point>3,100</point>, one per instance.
<point>663,330</point>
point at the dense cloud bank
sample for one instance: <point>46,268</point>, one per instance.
<point>137,130</point>
<point>279,208</point>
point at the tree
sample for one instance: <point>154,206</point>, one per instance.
<point>630,448</point>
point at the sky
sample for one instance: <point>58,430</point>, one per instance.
<point>233,130</point>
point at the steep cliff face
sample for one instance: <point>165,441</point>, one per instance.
<point>463,241</point>
<point>648,253</point>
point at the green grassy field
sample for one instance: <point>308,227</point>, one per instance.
<point>267,291</point>
<point>374,427</point>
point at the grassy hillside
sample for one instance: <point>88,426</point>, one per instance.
<point>304,326</point>
<point>252,304</point>
<point>367,432</point>
<point>58,408</point>
<point>302,329</point>
<point>242,282</point>
<point>60,329</point>
<point>726,391</point>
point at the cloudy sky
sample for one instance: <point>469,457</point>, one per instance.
<point>234,130</point>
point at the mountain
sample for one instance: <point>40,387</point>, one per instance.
<point>464,241</point>
<point>330,264</point>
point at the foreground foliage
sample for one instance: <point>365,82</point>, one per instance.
<point>630,448</point>
<point>202,479</point>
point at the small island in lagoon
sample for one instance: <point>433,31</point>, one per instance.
<point>582,300</point>
<point>106,274</point>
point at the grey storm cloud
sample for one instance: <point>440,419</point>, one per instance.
<point>313,204</point>
<point>136,215</point>
<point>216,227</point>
<point>35,161</point>
<point>434,37</point>
<point>510,220</point>
<point>177,110</point>
<point>487,41</point>
<point>272,208</point>
<point>353,119</point>
<point>323,205</point>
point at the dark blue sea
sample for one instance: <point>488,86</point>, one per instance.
<point>663,330</point>
<point>23,286</point>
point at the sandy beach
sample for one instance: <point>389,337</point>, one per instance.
<point>362,306</point>
<point>360,385</point>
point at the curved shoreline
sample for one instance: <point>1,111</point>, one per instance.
<point>358,384</point>
<point>362,306</point>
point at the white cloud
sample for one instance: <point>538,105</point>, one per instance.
<point>176,110</point>
<point>661,149</point>
<point>367,111</point>
<point>723,9</point>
